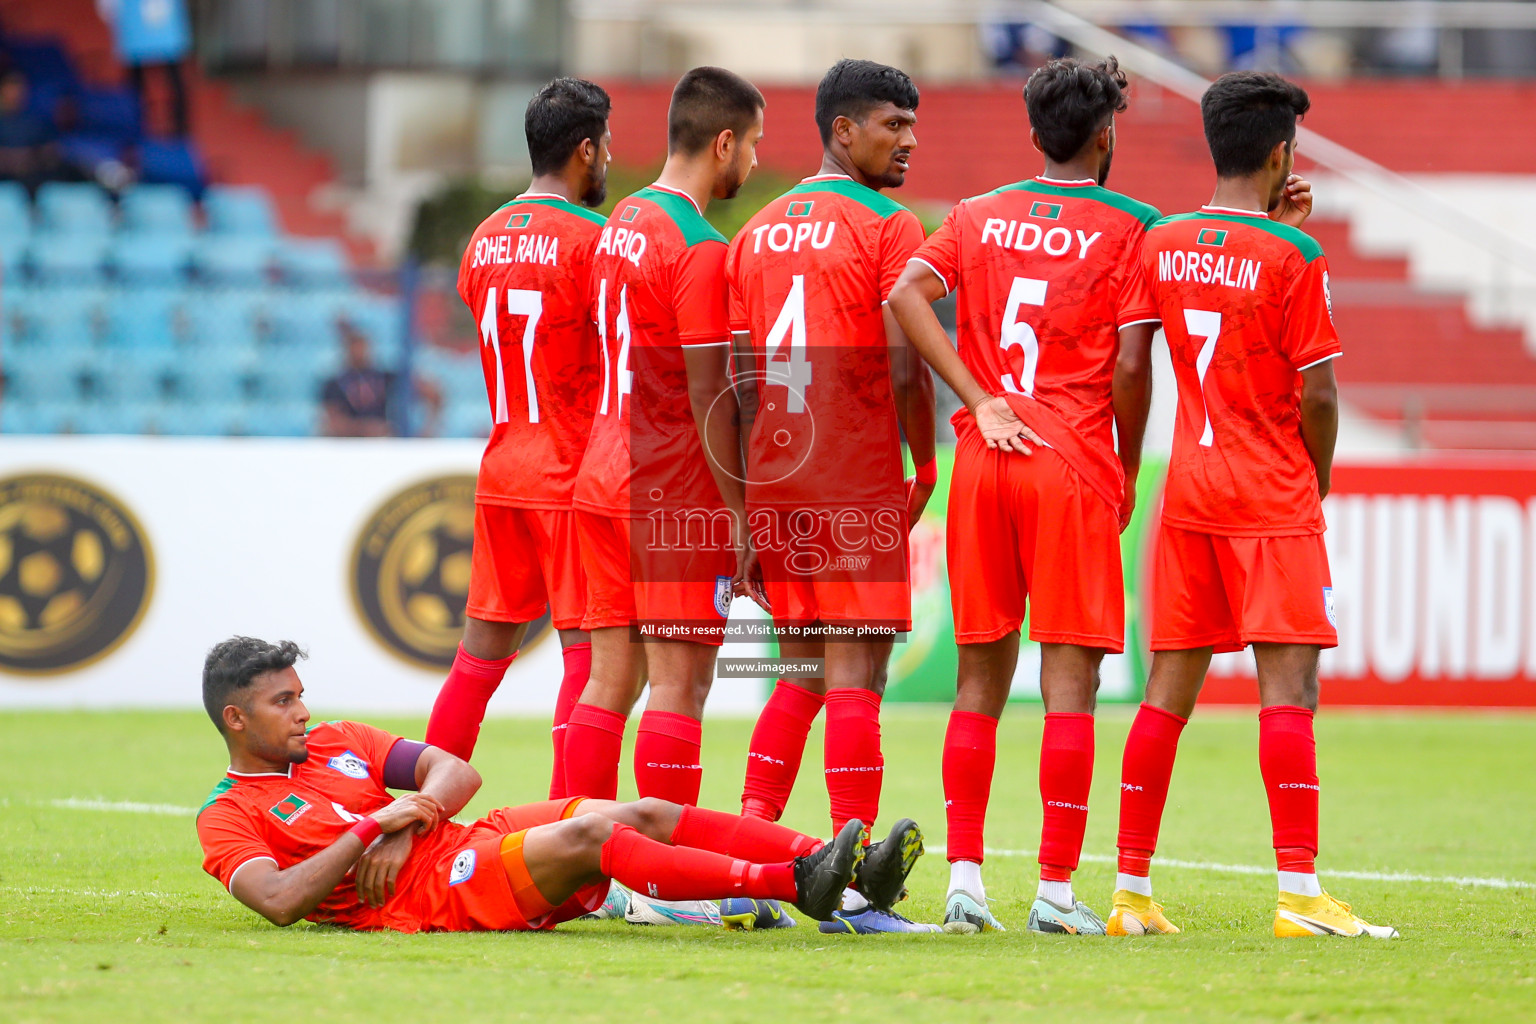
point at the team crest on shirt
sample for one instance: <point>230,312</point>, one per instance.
<point>519,220</point>
<point>723,596</point>
<point>289,809</point>
<point>463,867</point>
<point>350,765</point>
<point>1213,237</point>
<point>802,209</point>
<point>629,214</point>
<point>1329,609</point>
<point>1045,211</point>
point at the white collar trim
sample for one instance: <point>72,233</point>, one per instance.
<point>1235,213</point>
<point>1059,181</point>
<point>678,192</point>
<point>260,775</point>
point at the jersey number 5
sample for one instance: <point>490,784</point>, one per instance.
<point>1026,291</point>
<point>520,302</point>
<point>1205,325</point>
<point>795,373</point>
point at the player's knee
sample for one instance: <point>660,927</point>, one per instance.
<point>655,817</point>
<point>590,831</point>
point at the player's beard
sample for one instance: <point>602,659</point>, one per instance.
<point>896,174</point>
<point>1109,158</point>
<point>596,188</point>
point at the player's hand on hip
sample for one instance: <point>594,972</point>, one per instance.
<point>380,866</point>
<point>417,809</point>
<point>918,494</point>
<point>1001,427</point>
<point>1295,202</point>
<point>748,581</point>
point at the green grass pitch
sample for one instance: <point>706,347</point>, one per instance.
<point>105,915</point>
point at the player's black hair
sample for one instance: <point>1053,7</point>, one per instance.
<point>1069,101</point>
<point>852,88</point>
<point>233,663</point>
<point>560,117</point>
<point>705,102</point>
<point>1247,114</point>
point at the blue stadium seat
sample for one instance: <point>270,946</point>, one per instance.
<point>466,419</point>
<point>312,263</point>
<point>59,318</point>
<point>232,260</point>
<point>160,260</point>
<point>157,210</point>
<point>298,374</point>
<point>40,375</point>
<point>132,376</point>
<point>70,208</point>
<point>13,257</point>
<point>109,114</point>
<point>237,210</point>
<point>382,320</point>
<point>105,417</point>
<point>304,321</point>
<point>144,317</point>
<point>15,211</point>
<point>299,418</point>
<point>21,416</point>
<point>172,162</point>
<point>200,419</point>
<point>74,260</point>
<point>213,375</point>
<point>460,377</point>
<point>223,318</point>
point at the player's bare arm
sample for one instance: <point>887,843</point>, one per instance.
<point>286,896</point>
<point>1320,419</point>
<point>912,304</point>
<point>440,775</point>
<point>912,388</point>
<point>1132,395</point>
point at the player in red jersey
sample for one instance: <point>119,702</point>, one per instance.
<point>828,389</point>
<point>303,827</point>
<point>524,276</point>
<point>656,507</point>
<point>1243,295</point>
<point>1055,325</point>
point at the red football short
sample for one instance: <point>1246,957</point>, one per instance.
<point>1026,529</point>
<point>1228,592</point>
<point>674,583</point>
<point>524,560</point>
<point>835,565</point>
<point>482,883</point>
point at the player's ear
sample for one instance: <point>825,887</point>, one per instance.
<point>234,718</point>
<point>842,129</point>
<point>1034,140</point>
<point>1278,155</point>
<point>725,145</point>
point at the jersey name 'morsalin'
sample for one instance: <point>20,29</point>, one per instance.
<point>1208,268</point>
<point>529,249</point>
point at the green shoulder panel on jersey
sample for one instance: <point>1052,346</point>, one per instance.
<point>689,221</point>
<point>224,786</point>
<point>1304,243</point>
<point>881,206</point>
<point>558,204</point>
<point>1145,214</point>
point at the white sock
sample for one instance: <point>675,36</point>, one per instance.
<point>1139,884</point>
<point>854,901</point>
<point>966,876</point>
<point>1059,893</point>
<point>1302,883</point>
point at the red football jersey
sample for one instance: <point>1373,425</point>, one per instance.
<point>1245,306</point>
<point>524,276</point>
<point>808,276</point>
<point>1046,273</point>
<point>658,286</point>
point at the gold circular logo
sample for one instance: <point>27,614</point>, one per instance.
<point>411,568</point>
<point>75,573</point>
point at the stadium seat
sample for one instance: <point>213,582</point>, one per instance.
<point>40,375</point>
<point>131,376</point>
<point>21,416</point>
<point>13,257</point>
<point>213,375</point>
<point>232,260</point>
<point>75,260</point>
<point>237,210</point>
<point>298,374</point>
<point>382,320</point>
<point>172,162</point>
<point>157,210</point>
<point>460,377</point>
<point>222,318</point>
<point>109,114</point>
<point>68,208</point>
<point>15,212</point>
<point>160,260</point>
<point>303,321</point>
<point>298,418</point>
<point>467,419</point>
<point>312,263</point>
<point>143,317</point>
<point>200,419</point>
<point>127,417</point>
<point>57,319</point>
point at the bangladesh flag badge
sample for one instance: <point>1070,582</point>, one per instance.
<point>1045,211</point>
<point>629,214</point>
<point>1212,237</point>
<point>519,220</point>
<point>799,209</point>
<point>289,808</point>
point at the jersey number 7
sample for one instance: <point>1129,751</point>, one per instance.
<point>1206,325</point>
<point>520,302</point>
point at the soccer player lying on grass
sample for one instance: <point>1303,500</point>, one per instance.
<point>302,827</point>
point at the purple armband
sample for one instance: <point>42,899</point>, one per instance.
<point>400,765</point>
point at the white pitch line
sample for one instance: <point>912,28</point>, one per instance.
<point>124,806</point>
<point>42,890</point>
<point>1256,869</point>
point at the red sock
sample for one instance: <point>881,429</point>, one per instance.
<point>854,765</point>
<point>667,757</point>
<point>970,754</point>
<point>1144,773</point>
<point>778,742</point>
<point>593,737</point>
<point>1288,762</point>
<point>460,705</point>
<point>578,665</point>
<point>1066,775</point>
<point>680,873</point>
<point>761,842</point>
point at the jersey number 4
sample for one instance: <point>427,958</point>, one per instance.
<point>520,302</point>
<point>1205,325</point>
<point>1026,291</point>
<point>794,369</point>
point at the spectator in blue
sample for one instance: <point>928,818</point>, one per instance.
<point>360,400</point>
<point>153,34</point>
